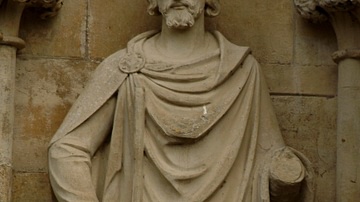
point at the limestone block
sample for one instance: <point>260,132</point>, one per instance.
<point>32,187</point>
<point>113,23</point>
<point>304,80</point>
<point>46,89</point>
<point>314,43</point>
<point>63,36</point>
<point>5,182</point>
<point>309,125</point>
<point>265,26</point>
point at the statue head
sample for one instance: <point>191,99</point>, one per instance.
<point>181,14</point>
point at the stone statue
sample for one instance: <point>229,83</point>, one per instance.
<point>180,115</point>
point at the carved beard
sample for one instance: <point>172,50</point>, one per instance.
<point>181,19</point>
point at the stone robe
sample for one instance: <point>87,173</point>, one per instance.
<point>201,130</point>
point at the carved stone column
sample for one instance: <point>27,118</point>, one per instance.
<point>344,16</point>
<point>10,16</point>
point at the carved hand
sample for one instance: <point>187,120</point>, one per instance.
<point>286,175</point>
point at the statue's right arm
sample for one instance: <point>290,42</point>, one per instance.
<point>70,157</point>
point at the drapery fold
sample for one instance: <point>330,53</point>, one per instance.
<point>206,127</point>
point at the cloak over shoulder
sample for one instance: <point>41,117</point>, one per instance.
<point>108,77</point>
<point>202,130</point>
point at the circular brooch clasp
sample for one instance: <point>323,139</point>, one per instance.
<point>131,63</point>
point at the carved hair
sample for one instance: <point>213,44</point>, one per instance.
<point>212,8</point>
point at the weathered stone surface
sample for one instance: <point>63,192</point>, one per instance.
<point>45,91</point>
<point>309,125</point>
<point>344,17</point>
<point>49,8</point>
<point>304,80</point>
<point>265,26</point>
<point>63,36</point>
<point>269,34</point>
<point>5,182</point>
<point>7,85</point>
<point>113,23</point>
<point>183,55</point>
<point>46,88</point>
<point>7,94</point>
<point>31,187</point>
<point>314,43</point>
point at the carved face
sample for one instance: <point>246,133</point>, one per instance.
<point>181,14</point>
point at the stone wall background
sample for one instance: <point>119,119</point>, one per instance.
<point>62,52</point>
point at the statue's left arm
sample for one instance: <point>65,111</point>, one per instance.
<point>287,170</point>
<point>287,174</point>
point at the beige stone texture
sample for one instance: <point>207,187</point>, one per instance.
<point>7,64</point>
<point>5,182</point>
<point>309,125</point>
<point>314,43</point>
<point>45,90</point>
<point>265,26</point>
<point>301,80</point>
<point>192,124</point>
<point>113,23</point>
<point>61,36</point>
<point>31,187</point>
<point>344,17</point>
<point>57,62</point>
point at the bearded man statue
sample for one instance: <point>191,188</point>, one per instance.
<point>180,115</point>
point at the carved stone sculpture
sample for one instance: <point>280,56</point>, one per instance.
<point>179,115</point>
<point>49,8</point>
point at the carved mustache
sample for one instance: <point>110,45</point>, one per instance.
<point>185,3</point>
<point>177,4</point>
